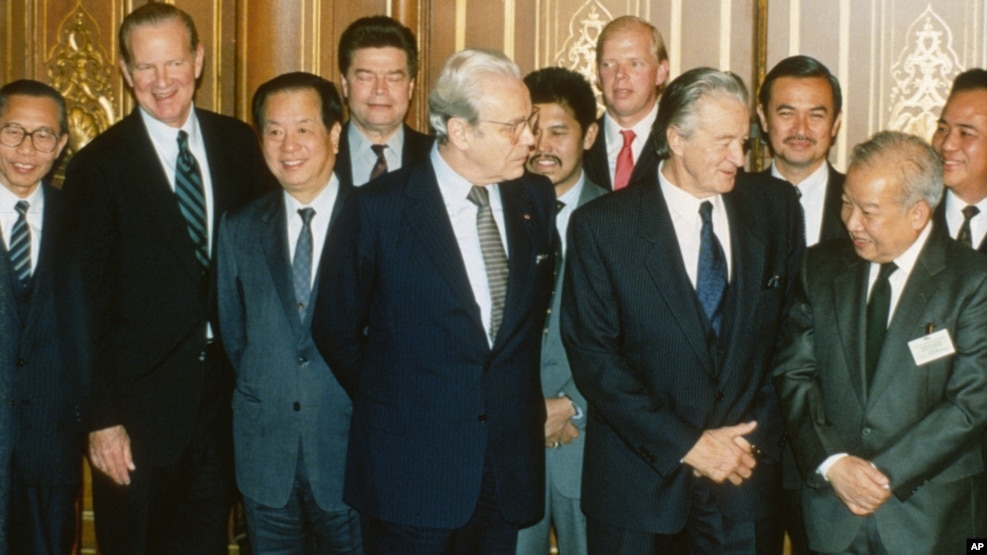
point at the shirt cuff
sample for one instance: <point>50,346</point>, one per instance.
<point>579,414</point>
<point>823,469</point>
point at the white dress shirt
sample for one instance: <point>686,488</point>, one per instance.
<point>684,210</point>
<point>812,191</point>
<point>363,158</point>
<point>954,218</point>
<point>323,204</point>
<point>35,218</point>
<point>615,141</point>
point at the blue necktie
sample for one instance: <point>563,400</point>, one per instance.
<point>192,199</point>
<point>711,282</point>
<point>20,244</point>
<point>301,266</point>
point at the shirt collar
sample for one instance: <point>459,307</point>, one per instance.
<point>361,143</point>
<point>571,197</point>
<point>642,129</point>
<point>322,203</point>
<point>682,203</point>
<point>455,188</point>
<point>164,134</point>
<point>36,199</point>
<point>906,260</point>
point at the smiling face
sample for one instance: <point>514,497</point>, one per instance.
<point>162,70</point>
<point>882,228</point>
<point>706,163</point>
<point>22,167</point>
<point>801,124</point>
<point>378,90</point>
<point>630,74</point>
<point>559,146</point>
<point>960,140</point>
<point>298,148</point>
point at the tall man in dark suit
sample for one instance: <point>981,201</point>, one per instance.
<point>674,293</point>
<point>431,303</point>
<point>633,66</point>
<point>142,202</point>
<point>961,141</point>
<point>378,60</point>
<point>46,395</point>
<point>566,128</point>
<point>799,106</point>
<point>881,370</point>
<point>290,416</point>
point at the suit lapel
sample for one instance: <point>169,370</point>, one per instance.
<point>832,222</point>
<point>748,251</point>
<point>344,192</point>
<point>273,236</point>
<point>344,166</point>
<point>663,260</point>
<point>596,161</point>
<point>518,212</point>
<point>850,298</point>
<point>42,271</point>
<point>426,217</point>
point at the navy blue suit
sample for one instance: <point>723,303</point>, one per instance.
<point>46,399</point>
<point>397,321</point>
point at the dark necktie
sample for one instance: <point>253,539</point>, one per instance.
<point>494,258</point>
<point>625,161</point>
<point>380,167</point>
<point>711,279</point>
<point>877,318</point>
<point>192,199</point>
<point>20,244</point>
<point>964,235</point>
<point>559,205</point>
<point>301,266</point>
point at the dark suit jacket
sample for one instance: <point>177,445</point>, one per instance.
<point>637,340</point>
<point>47,394</point>
<point>136,302</point>
<point>566,463</point>
<point>939,219</point>
<point>397,321</point>
<point>597,166</point>
<point>920,425</point>
<point>832,221</point>
<point>416,148</point>
<point>286,399</point>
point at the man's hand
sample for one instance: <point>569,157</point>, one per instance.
<point>860,486</point>
<point>109,452</point>
<point>566,435</point>
<point>718,454</point>
<point>559,411</point>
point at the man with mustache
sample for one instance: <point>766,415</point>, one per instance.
<point>799,106</point>
<point>960,140</point>
<point>566,128</point>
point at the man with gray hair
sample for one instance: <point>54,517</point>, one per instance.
<point>674,292</point>
<point>881,369</point>
<point>431,302</point>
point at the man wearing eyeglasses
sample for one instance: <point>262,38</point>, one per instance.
<point>378,60</point>
<point>432,297</point>
<point>40,426</point>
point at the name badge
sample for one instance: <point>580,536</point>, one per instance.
<point>931,347</point>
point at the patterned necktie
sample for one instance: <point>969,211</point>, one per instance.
<point>711,279</point>
<point>380,167</point>
<point>301,266</point>
<point>494,258</point>
<point>192,199</point>
<point>625,161</point>
<point>20,244</point>
<point>878,308</point>
<point>964,235</point>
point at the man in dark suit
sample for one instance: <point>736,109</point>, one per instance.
<point>431,303</point>
<point>290,416</point>
<point>674,292</point>
<point>46,395</point>
<point>566,128</point>
<point>881,370</point>
<point>633,66</point>
<point>799,106</point>
<point>378,60</point>
<point>142,202</point>
<point>960,140</point>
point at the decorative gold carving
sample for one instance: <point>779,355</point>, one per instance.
<point>923,75</point>
<point>578,53</point>
<point>80,69</point>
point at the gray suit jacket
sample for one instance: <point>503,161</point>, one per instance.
<point>566,464</point>
<point>921,425</point>
<point>286,398</point>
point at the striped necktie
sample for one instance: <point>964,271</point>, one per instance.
<point>301,266</point>
<point>380,167</point>
<point>20,244</point>
<point>494,258</point>
<point>192,199</point>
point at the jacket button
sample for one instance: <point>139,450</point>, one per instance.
<point>20,362</point>
<point>297,406</point>
<point>482,417</point>
<point>302,360</point>
<point>865,432</point>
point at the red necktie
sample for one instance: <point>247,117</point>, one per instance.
<point>625,161</point>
